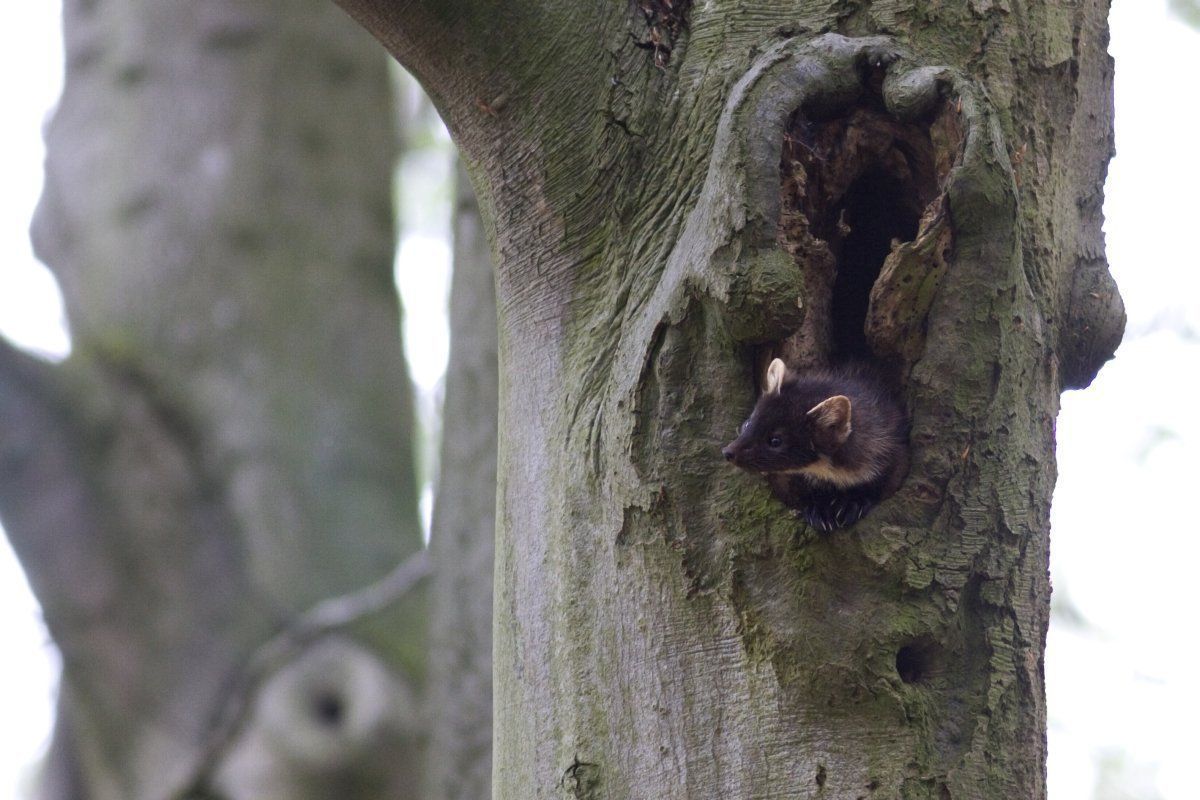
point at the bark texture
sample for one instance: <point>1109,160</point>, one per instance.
<point>464,523</point>
<point>230,441</point>
<point>678,191</point>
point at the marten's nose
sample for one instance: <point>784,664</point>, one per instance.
<point>728,453</point>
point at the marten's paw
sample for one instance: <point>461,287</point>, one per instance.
<point>837,511</point>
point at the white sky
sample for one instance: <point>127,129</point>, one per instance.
<point>1124,541</point>
<point>30,314</point>
<point>1123,693</point>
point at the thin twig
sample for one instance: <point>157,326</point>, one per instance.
<point>326,617</point>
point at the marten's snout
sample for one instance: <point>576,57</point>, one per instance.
<point>728,453</point>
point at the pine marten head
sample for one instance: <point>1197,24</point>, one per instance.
<point>796,427</point>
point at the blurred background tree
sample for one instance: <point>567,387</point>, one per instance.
<point>231,441</point>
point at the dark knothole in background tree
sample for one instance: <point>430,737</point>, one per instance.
<point>856,190</point>
<point>329,708</point>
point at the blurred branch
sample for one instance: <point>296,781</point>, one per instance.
<point>41,483</point>
<point>1065,613</point>
<point>328,616</point>
<point>462,542</point>
<point>25,381</point>
<point>1186,10</point>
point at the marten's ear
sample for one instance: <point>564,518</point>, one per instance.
<point>775,375</point>
<point>832,418</point>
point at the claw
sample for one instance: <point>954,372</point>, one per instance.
<point>817,518</point>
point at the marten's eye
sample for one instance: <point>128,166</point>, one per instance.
<point>775,441</point>
<point>742,427</point>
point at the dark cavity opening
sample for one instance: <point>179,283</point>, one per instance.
<point>915,662</point>
<point>329,709</point>
<point>821,775</point>
<point>851,185</point>
<point>878,208</point>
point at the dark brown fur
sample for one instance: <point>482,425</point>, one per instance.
<point>832,467</point>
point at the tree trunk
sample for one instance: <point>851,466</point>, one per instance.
<point>230,441</point>
<point>678,192</point>
<point>464,523</point>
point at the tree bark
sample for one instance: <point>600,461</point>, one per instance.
<point>667,187</point>
<point>464,523</point>
<point>230,441</point>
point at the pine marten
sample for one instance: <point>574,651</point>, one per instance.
<point>832,443</point>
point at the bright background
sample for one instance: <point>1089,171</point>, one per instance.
<point>1122,668</point>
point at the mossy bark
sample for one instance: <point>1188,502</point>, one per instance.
<point>664,627</point>
<point>230,440</point>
